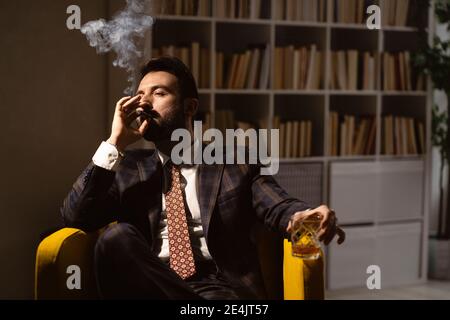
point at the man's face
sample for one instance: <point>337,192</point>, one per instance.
<point>160,97</point>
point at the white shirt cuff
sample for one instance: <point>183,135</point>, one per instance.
<point>107,157</point>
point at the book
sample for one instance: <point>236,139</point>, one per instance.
<point>341,70</point>
<point>352,69</point>
<point>311,66</point>
<point>278,68</point>
<point>343,138</point>
<point>302,139</point>
<point>288,140</point>
<point>421,130</point>
<point>370,145</point>
<point>360,136</point>
<point>253,71</point>
<point>308,139</point>
<point>282,139</point>
<point>295,137</point>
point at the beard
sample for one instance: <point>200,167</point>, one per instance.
<point>160,129</point>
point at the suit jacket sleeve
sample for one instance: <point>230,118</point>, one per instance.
<point>93,201</point>
<point>272,204</point>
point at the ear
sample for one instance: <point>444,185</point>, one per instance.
<point>190,106</point>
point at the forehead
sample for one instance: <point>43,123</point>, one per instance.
<point>158,78</point>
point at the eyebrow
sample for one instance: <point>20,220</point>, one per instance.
<point>158,86</point>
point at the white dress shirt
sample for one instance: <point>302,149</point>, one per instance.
<point>109,158</point>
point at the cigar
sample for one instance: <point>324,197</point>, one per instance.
<point>143,113</point>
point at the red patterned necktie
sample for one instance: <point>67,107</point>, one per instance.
<point>180,250</point>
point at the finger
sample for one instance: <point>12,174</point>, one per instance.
<point>329,230</point>
<point>131,103</point>
<point>321,234</point>
<point>329,235</point>
<point>329,216</point>
<point>289,228</point>
<point>341,235</point>
<point>130,117</point>
<point>121,101</point>
<point>325,219</point>
<point>143,127</point>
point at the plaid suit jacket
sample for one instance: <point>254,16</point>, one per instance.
<point>233,199</point>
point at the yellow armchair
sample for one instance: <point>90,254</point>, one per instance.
<point>302,279</point>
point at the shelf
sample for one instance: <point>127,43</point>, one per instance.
<point>353,158</point>
<point>399,28</point>
<point>404,93</point>
<point>305,159</point>
<point>298,92</point>
<point>358,26</point>
<point>183,18</point>
<point>385,157</point>
<point>353,92</point>
<point>300,23</point>
<point>241,91</point>
<point>399,221</point>
<point>243,21</point>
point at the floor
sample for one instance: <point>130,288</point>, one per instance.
<point>432,290</point>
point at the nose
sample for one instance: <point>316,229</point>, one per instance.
<point>145,103</point>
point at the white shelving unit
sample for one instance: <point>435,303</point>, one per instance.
<point>369,239</point>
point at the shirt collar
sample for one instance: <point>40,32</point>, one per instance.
<point>164,158</point>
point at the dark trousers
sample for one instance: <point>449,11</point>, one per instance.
<point>126,268</point>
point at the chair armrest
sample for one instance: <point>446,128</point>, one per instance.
<point>55,254</point>
<point>302,279</point>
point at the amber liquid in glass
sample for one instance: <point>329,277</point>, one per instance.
<point>304,240</point>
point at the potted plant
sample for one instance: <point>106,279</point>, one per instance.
<point>434,60</point>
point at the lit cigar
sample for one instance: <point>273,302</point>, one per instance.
<point>141,112</point>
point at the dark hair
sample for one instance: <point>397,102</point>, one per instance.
<point>186,82</point>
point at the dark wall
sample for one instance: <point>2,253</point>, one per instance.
<point>54,113</point>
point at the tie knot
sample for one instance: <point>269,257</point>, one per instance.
<point>172,174</point>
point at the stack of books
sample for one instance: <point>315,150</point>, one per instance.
<point>301,10</point>
<point>239,9</point>
<point>181,7</point>
<point>353,70</point>
<point>295,137</point>
<point>351,135</point>
<point>396,13</point>
<point>248,70</point>
<point>196,58</point>
<point>402,136</point>
<point>397,73</point>
<point>298,68</point>
<point>349,11</point>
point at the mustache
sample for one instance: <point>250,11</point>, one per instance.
<point>149,114</point>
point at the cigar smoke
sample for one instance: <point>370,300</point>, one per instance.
<point>121,35</point>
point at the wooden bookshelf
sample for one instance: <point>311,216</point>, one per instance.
<point>264,105</point>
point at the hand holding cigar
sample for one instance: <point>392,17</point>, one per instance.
<point>128,109</point>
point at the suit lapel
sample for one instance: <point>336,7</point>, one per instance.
<point>147,166</point>
<point>209,178</point>
<point>150,174</point>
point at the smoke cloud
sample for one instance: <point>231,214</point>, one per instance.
<point>121,35</point>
